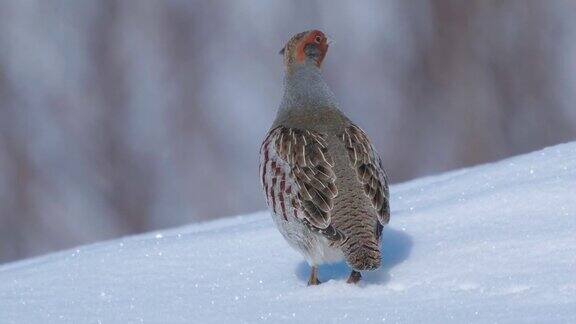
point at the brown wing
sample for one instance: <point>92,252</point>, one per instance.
<point>297,176</point>
<point>368,165</point>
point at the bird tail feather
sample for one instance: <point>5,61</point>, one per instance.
<point>363,254</point>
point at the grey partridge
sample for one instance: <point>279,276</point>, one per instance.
<point>323,179</point>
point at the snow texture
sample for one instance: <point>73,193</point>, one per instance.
<point>494,243</point>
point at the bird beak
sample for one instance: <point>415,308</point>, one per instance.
<point>282,51</point>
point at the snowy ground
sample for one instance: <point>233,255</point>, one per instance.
<point>494,243</point>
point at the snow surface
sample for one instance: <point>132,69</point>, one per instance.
<point>494,243</point>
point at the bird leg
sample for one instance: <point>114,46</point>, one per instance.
<point>313,281</point>
<point>355,276</point>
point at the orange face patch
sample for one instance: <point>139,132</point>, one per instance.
<point>314,37</point>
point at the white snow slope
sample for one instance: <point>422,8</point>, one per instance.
<point>494,243</point>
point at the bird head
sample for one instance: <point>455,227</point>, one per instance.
<point>306,47</point>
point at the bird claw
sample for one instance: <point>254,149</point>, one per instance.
<point>314,282</point>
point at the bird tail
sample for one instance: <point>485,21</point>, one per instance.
<point>363,253</point>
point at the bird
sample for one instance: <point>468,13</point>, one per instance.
<point>322,178</point>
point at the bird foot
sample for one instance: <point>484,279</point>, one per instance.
<point>313,280</point>
<point>354,278</point>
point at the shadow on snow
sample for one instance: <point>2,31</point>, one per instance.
<point>395,246</point>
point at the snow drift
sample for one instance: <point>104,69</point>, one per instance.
<point>494,243</point>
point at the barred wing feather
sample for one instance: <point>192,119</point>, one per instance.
<point>297,175</point>
<point>364,158</point>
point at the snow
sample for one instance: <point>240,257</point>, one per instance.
<point>493,243</point>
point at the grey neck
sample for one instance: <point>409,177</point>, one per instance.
<point>305,91</point>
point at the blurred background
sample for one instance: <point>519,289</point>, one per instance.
<point>119,117</point>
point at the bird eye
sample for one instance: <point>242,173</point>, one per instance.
<point>318,39</point>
